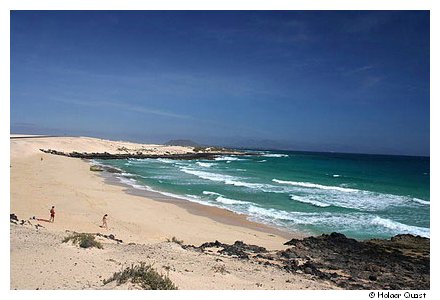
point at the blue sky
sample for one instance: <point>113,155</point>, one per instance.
<point>344,81</point>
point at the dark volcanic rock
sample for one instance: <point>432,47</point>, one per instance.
<point>231,250</point>
<point>96,168</point>
<point>404,259</point>
<point>401,262</point>
<point>250,248</point>
<point>241,249</point>
<point>110,237</point>
<point>216,244</point>
<point>238,249</point>
<point>13,217</point>
<point>140,155</point>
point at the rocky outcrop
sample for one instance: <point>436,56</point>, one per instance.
<point>96,168</point>
<point>399,263</point>
<point>109,237</point>
<point>14,220</point>
<point>238,249</point>
<point>141,155</point>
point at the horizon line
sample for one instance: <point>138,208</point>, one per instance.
<point>224,145</point>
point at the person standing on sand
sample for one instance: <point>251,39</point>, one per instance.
<point>104,222</point>
<point>52,214</point>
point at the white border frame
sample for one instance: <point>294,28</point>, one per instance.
<point>7,5</point>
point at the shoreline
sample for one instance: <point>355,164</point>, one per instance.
<point>81,197</point>
<point>217,214</point>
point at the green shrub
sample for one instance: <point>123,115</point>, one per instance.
<point>143,275</point>
<point>84,240</point>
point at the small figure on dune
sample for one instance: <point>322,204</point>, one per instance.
<point>52,214</point>
<point>104,222</point>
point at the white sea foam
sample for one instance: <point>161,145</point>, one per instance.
<point>424,202</point>
<point>257,186</point>
<point>160,177</point>
<point>262,161</point>
<point>362,222</point>
<point>211,193</point>
<point>166,160</point>
<point>191,198</point>
<point>365,200</point>
<point>400,228</point>
<point>133,183</point>
<point>208,175</point>
<point>314,194</point>
<point>96,163</point>
<point>275,155</point>
<point>125,180</point>
<point>127,174</point>
<point>141,160</point>
<point>205,164</point>
<point>314,185</point>
<point>226,179</point>
<point>270,213</point>
<point>324,219</point>
<point>362,219</point>
<point>361,200</point>
<point>225,200</point>
<point>309,201</point>
<point>222,199</point>
<point>229,158</point>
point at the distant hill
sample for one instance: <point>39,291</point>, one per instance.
<point>188,143</point>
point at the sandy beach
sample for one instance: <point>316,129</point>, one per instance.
<point>81,197</point>
<point>196,246</point>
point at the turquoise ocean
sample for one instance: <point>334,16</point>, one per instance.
<point>361,196</point>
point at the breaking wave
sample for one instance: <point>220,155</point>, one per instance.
<point>314,185</point>
<point>275,155</point>
<point>309,201</point>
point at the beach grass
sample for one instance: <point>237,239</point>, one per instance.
<point>143,275</point>
<point>84,240</point>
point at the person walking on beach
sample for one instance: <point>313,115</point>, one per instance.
<point>52,214</point>
<point>104,222</point>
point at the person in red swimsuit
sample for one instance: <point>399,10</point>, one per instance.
<point>52,214</point>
